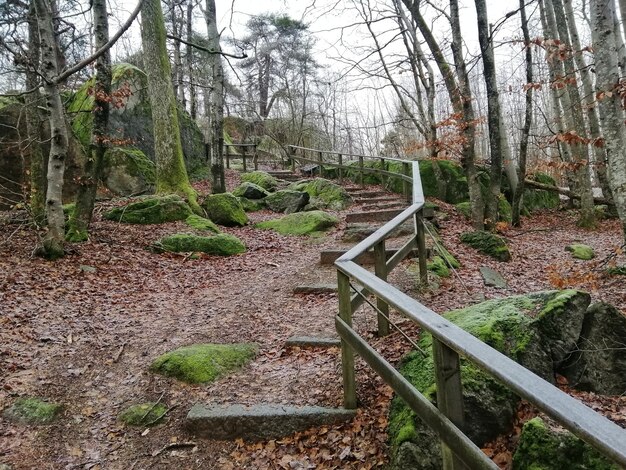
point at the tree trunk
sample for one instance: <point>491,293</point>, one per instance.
<point>610,106</point>
<point>193,99</point>
<point>216,105</point>
<point>493,109</point>
<point>579,148</point>
<point>177,71</point>
<point>86,195</point>
<point>53,240</point>
<point>518,193</point>
<point>171,174</point>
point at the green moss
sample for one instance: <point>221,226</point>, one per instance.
<point>445,180</point>
<point>134,162</point>
<point>250,205</point>
<point>505,212</point>
<point>200,223</point>
<point>250,191</point>
<point>541,447</point>
<point>32,411</point>
<point>581,251</point>
<point>300,223</point>
<point>465,208</point>
<point>202,363</point>
<point>261,178</point>
<point>225,209</point>
<point>537,199</point>
<point>151,210</point>
<point>487,243</point>
<point>324,193</point>
<point>439,267</point>
<point>616,271</point>
<point>222,244</point>
<point>450,260</point>
<point>144,414</point>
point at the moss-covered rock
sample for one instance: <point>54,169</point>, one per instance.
<point>250,191</point>
<point>262,179</point>
<point>144,414</point>
<point>301,223</point>
<point>488,243</point>
<point>32,411</point>
<point>324,194</point>
<point>538,199</point>
<point>543,446</point>
<point>128,171</point>
<point>515,326</point>
<point>202,363</point>
<point>581,251</point>
<point>287,201</point>
<point>439,267</point>
<point>250,205</point>
<point>445,180</point>
<point>225,209</point>
<point>151,210</point>
<point>222,244</point>
<point>465,209</point>
<point>505,211</point>
<point>202,224</point>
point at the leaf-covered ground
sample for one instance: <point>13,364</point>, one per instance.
<point>85,339</point>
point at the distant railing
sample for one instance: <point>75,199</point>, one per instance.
<point>356,284</point>
<point>243,156</point>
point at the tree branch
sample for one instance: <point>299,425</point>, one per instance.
<point>206,49</point>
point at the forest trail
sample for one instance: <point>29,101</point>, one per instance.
<point>86,339</point>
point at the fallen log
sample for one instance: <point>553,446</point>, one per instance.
<point>563,191</point>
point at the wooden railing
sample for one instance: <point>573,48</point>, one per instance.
<point>244,155</point>
<point>356,284</point>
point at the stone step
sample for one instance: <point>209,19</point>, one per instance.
<point>364,200</point>
<point>315,289</point>
<point>312,342</point>
<point>357,232</point>
<point>329,256</point>
<point>367,194</point>
<point>383,215</point>
<point>389,205</point>
<point>259,422</point>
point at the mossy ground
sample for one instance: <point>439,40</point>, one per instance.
<point>301,223</point>
<point>225,209</point>
<point>581,251</point>
<point>144,414</point>
<point>151,210</point>
<point>488,243</point>
<point>439,267</point>
<point>222,244</point>
<point>203,363</point>
<point>616,271</point>
<point>32,411</point>
<point>261,178</point>
<point>202,224</point>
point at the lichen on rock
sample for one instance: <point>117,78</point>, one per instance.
<point>32,410</point>
<point>222,244</point>
<point>203,363</point>
<point>151,210</point>
<point>225,209</point>
<point>143,414</point>
<point>301,223</point>
<point>487,243</point>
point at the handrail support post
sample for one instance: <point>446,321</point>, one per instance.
<point>406,186</point>
<point>347,353</point>
<point>361,172</point>
<point>340,169</point>
<point>420,236</point>
<point>380,269</point>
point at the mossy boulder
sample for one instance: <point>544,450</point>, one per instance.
<point>252,205</point>
<point>301,223</point>
<point>222,244</point>
<point>151,210</point>
<point>439,267</point>
<point>538,199</point>
<point>225,209</point>
<point>488,243</point>
<point>444,180</point>
<point>144,414</point>
<point>543,445</point>
<point>465,209</point>
<point>519,327</point>
<point>354,172</point>
<point>32,410</point>
<point>581,251</point>
<point>505,211</point>
<point>287,201</point>
<point>324,194</point>
<point>250,191</point>
<point>262,179</point>
<point>202,224</point>
<point>128,171</point>
<point>203,363</point>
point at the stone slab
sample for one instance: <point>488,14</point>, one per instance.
<point>381,206</point>
<point>329,256</point>
<point>315,289</point>
<point>312,342</point>
<point>259,422</point>
<point>492,277</point>
<point>364,200</point>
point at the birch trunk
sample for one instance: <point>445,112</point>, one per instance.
<point>53,240</point>
<point>171,174</point>
<point>610,106</point>
<point>193,99</point>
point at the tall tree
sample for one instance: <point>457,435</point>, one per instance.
<point>171,174</point>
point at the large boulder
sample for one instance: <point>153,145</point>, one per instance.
<point>128,171</point>
<point>151,210</point>
<point>250,191</point>
<point>287,201</point>
<point>530,329</point>
<point>222,244</point>
<point>488,243</point>
<point>260,178</point>
<point>538,199</point>
<point>301,223</point>
<point>225,209</point>
<point>324,194</point>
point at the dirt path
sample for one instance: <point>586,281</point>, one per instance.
<point>86,339</point>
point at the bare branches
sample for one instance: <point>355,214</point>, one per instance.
<point>206,49</point>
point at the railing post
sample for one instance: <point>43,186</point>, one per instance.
<point>347,353</point>
<point>228,157</point>
<point>243,157</point>
<point>406,186</point>
<point>255,159</point>
<point>361,175</point>
<point>449,395</point>
<point>320,159</point>
<point>420,237</point>
<point>340,170</point>
<point>382,176</point>
<point>380,269</point>
<point>293,159</point>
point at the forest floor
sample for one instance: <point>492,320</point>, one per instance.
<point>86,339</point>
